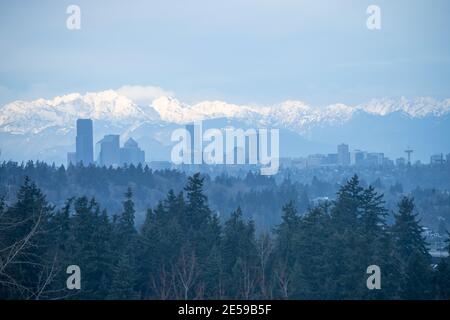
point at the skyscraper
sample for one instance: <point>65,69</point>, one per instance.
<point>343,155</point>
<point>84,142</point>
<point>196,152</point>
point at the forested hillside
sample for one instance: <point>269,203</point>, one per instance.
<point>260,197</point>
<point>183,251</point>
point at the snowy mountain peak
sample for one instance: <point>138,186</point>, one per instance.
<point>62,111</point>
<point>116,109</point>
<point>419,107</point>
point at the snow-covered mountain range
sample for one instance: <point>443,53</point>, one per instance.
<point>21,117</point>
<point>45,129</point>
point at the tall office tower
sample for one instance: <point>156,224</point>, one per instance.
<point>190,128</point>
<point>343,155</point>
<point>85,145</point>
<point>109,154</point>
<point>196,152</point>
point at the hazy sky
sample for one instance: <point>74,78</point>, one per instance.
<point>241,51</point>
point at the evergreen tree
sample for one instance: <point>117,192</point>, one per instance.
<point>239,256</point>
<point>376,244</point>
<point>146,254</point>
<point>105,254</point>
<point>346,248</point>
<point>213,268</point>
<point>61,236</point>
<point>125,230</point>
<point>442,276</point>
<point>348,206</point>
<point>197,210</point>
<point>412,252</point>
<point>200,230</point>
<point>312,242</point>
<point>124,278</point>
<point>285,258</point>
<point>88,247</point>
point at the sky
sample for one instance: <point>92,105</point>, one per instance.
<point>240,51</point>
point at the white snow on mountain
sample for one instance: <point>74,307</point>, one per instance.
<point>417,108</point>
<point>172,110</point>
<point>62,111</point>
<point>21,117</point>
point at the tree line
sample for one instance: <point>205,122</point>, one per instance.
<point>260,197</point>
<point>184,250</point>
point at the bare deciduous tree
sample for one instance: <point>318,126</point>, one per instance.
<point>247,280</point>
<point>283,279</point>
<point>20,253</point>
<point>265,248</point>
<point>162,283</point>
<point>186,271</point>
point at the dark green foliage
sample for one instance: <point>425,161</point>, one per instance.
<point>411,248</point>
<point>185,250</point>
<point>442,277</point>
<point>26,261</point>
<point>239,254</point>
<point>260,197</point>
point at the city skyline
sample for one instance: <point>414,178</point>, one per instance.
<point>109,153</point>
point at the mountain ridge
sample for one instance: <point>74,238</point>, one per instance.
<point>19,117</point>
<point>45,129</point>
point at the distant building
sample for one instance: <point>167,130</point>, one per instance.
<point>190,128</point>
<point>315,160</point>
<point>343,155</point>
<point>71,158</point>
<point>437,159</point>
<point>358,158</point>
<point>285,162</point>
<point>400,162</point>
<point>195,153</point>
<point>84,142</point>
<point>299,163</point>
<point>374,159</point>
<point>131,153</point>
<point>109,150</point>
<point>332,159</point>
<point>388,162</point>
